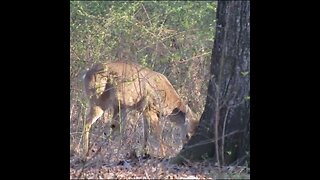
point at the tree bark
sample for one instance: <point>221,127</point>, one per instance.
<point>224,128</point>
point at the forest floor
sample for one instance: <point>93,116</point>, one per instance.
<point>119,158</point>
<point>153,168</point>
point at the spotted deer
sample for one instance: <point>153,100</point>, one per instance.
<point>122,86</point>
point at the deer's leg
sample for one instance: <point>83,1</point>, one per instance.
<point>179,119</point>
<point>115,126</point>
<point>119,118</point>
<point>123,119</point>
<point>146,128</point>
<point>156,129</point>
<point>184,133</point>
<point>94,114</point>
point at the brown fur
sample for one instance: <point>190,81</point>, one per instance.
<point>128,86</point>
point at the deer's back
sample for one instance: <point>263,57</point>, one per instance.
<point>130,84</point>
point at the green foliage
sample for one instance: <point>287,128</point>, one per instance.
<point>145,31</point>
<point>171,37</point>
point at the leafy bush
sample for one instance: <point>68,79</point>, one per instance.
<point>172,37</point>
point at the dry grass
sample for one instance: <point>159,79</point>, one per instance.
<point>118,157</point>
<point>111,157</point>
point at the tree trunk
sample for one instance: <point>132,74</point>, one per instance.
<point>224,128</point>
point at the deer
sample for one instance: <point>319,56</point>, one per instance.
<point>121,86</point>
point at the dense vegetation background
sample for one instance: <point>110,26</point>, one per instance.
<point>174,38</point>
